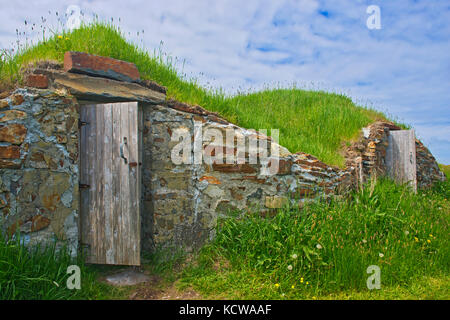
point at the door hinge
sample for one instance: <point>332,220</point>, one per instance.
<point>81,123</point>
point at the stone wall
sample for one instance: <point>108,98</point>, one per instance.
<point>367,156</point>
<point>39,166</point>
<point>182,200</point>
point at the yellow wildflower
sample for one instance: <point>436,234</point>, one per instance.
<point>429,241</point>
<point>301,280</point>
<point>59,37</point>
<point>416,239</point>
<point>277,285</point>
<point>293,287</point>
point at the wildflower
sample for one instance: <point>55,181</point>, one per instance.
<point>416,239</point>
<point>59,37</point>
<point>307,282</point>
<point>289,267</point>
<point>294,256</point>
<point>301,280</point>
<point>67,38</point>
<point>431,236</point>
<point>277,285</point>
<point>381,255</point>
<point>314,298</point>
<point>429,241</point>
<point>293,287</point>
<point>318,246</point>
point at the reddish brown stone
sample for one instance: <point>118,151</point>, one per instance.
<point>230,168</point>
<point>39,81</point>
<point>211,150</point>
<point>303,193</point>
<point>39,222</point>
<point>153,85</point>
<point>314,164</point>
<point>10,152</point>
<point>13,133</point>
<point>184,107</point>
<point>200,119</point>
<point>8,164</point>
<point>17,99</point>
<point>12,228</point>
<point>236,195</point>
<point>210,179</point>
<point>80,62</point>
<point>284,166</point>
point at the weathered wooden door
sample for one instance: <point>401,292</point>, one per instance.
<point>401,157</point>
<point>110,183</point>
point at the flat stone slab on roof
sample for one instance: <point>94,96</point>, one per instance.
<point>100,89</point>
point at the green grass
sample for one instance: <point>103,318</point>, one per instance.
<point>314,122</point>
<point>324,250</point>
<point>445,169</point>
<point>41,274</point>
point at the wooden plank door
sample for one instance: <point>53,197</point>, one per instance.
<point>401,157</point>
<point>110,183</point>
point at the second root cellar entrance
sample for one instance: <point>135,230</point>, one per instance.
<point>110,188</point>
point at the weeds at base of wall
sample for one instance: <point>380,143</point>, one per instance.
<point>40,273</point>
<point>326,248</point>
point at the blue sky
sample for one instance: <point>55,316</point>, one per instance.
<point>402,69</point>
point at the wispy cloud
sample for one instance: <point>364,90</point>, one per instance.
<point>403,68</point>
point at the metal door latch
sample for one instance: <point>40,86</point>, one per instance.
<point>121,150</point>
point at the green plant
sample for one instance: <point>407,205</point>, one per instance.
<point>40,273</point>
<point>326,247</point>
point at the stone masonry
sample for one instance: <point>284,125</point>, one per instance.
<point>39,160</point>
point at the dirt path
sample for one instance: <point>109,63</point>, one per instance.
<point>150,291</point>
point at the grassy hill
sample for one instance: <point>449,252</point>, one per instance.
<point>314,122</point>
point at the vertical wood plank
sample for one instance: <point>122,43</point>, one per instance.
<point>116,163</point>
<point>91,158</point>
<point>100,213</point>
<point>124,181</point>
<point>134,243</point>
<point>108,178</point>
